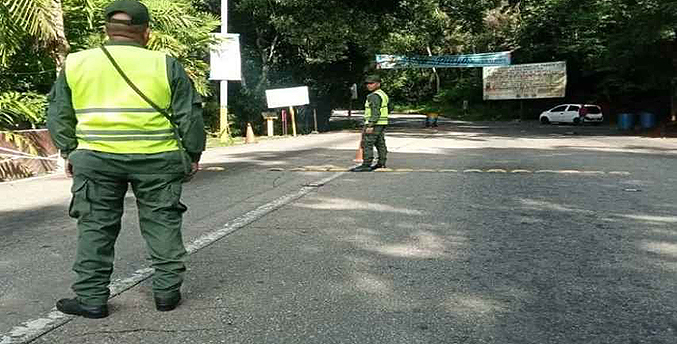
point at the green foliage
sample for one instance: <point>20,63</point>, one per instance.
<point>467,88</point>
<point>21,110</point>
<point>21,18</point>
<point>177,29</point>
<point>617,51</point>
<point>29,33</point>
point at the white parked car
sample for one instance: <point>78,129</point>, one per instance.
<point>572,113</point>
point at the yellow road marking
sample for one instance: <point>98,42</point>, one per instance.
<point>330,168</point>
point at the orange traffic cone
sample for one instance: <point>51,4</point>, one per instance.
<point>359,153</point>
<point>250,138</point>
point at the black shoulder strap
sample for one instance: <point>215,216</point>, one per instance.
<point>136,89</point>
<point>151,103</point>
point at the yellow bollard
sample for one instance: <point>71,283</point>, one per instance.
<point>224,130</point>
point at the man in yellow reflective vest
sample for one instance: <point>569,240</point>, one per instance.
<point>112,137</point>
<point>376,111</point>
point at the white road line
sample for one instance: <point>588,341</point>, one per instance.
<point>32,329</point>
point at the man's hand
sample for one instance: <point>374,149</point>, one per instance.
<point>68,168</point>
<point>194,167</point>
<point>369,130</point>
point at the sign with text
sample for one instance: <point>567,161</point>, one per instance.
<point>285,97</point>
<point>448,61</point>
<point>525,81</point>
<point>225,61</point>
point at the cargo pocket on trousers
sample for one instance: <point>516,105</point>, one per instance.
<point>80,204</point>
<point>175,193</point>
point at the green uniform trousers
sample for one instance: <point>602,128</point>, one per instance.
<point>377,138</point>
<point>97,204</point>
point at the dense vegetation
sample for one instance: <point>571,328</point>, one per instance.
<point>620,53</point>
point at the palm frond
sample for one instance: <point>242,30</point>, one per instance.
<point>10,168</point>
<point>32,16</point>
<point>167,43</point>
<point>21,142</point>
<point>21,108</point>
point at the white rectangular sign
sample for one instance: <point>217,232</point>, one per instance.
<point>525,81</point>
<point>284,97</point>
<point>225,61</point>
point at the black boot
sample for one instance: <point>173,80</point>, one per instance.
<point>74,307</point>
<point>378,165</point>
<point>362,168</point>
<point>167,304</point>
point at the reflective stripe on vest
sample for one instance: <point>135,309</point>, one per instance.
<point>111,117</point>
<point>383,119</point>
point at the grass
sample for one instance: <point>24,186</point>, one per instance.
<point>477,112</point>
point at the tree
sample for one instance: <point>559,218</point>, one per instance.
<point>38,19</point>
<point>177,28</point>
<point>322,44</point>
<point>34,43</point>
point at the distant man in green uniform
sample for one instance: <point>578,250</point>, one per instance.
<point>111,137</point>
<point>376,111</point>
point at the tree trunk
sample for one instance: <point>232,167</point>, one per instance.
<point>437,76</point>
<point>59,47</point>
<point>673,90</point>
<point>267,52</point>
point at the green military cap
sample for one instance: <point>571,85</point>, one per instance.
<point>372,78</point>
<point>136,10</point>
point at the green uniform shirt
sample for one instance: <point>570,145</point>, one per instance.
<point>186,111</point>
<point>375,105</point>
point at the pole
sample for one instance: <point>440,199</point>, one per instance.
<point>437,76</point>
<point>269,122</point>
<point>224,131</point>
<point>673,99</point>
<point>293,120</point>
<point>315,121</point>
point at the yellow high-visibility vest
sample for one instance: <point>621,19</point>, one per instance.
<point>383,119</point>
<point>111,116</point>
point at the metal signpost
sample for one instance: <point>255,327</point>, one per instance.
<point>224,133</point>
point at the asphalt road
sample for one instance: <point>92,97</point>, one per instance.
<point>479,233</point>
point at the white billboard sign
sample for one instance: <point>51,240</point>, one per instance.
<point>525,81</point>
<point>285,97</point>
<point>225,61</point>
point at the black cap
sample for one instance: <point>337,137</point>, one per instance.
<point>135,9</point>
<point>372,78</point>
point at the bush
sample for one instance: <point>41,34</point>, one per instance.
<point>22,110</point>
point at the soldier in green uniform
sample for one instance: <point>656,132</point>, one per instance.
<point>376,111</point>
<point>112,137</point>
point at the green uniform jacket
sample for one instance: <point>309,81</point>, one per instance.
<point>374,101</point>
<point>186,110</point>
